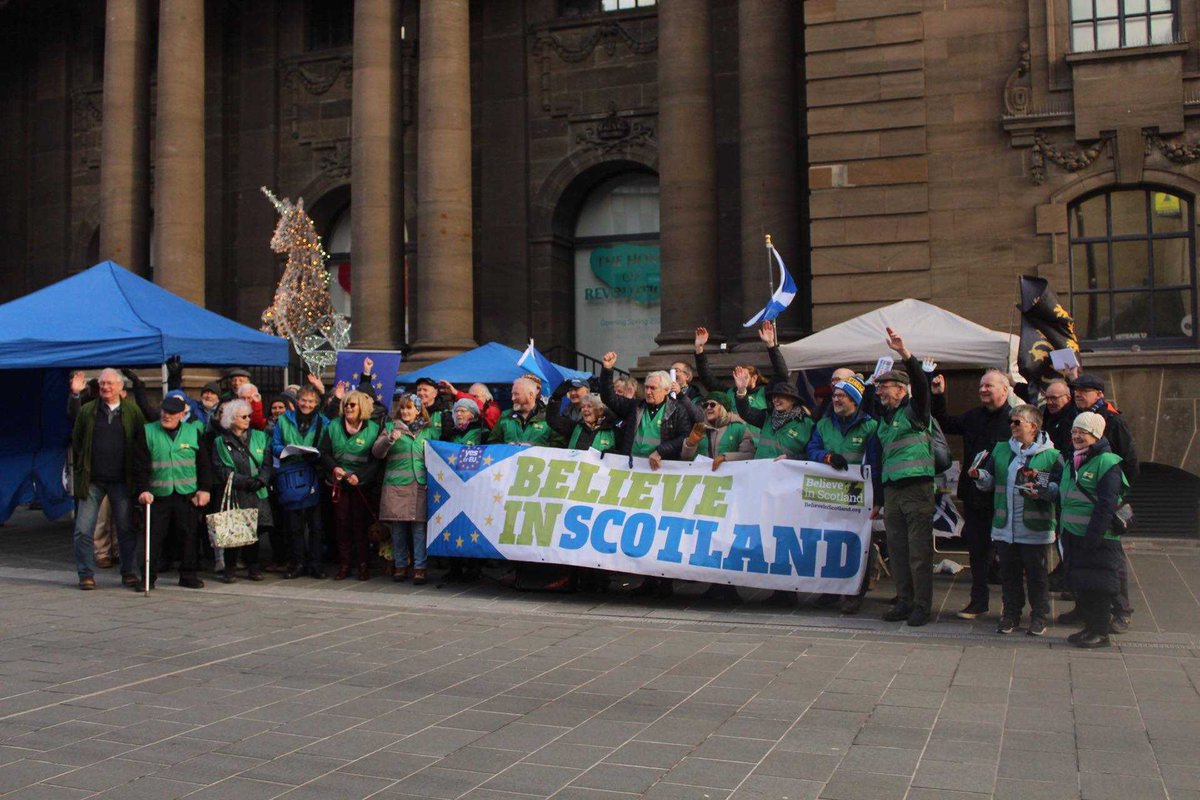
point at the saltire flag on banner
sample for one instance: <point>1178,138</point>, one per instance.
<point>947,522</point>
<point>1045,326</point>
<point>386,363</point>
<point>783,296</point>
<point>539,365</point>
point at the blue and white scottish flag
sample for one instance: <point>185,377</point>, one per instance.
<point>783,296</point>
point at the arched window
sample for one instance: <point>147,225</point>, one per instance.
<point>1133,268</point>
<point>616,268</point>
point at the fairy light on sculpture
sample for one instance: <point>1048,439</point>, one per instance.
<point>302,310</point>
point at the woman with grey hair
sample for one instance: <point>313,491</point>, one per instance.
<point>245,454</point>
<point>1022,476</point>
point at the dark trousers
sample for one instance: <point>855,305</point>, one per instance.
<point>977,536</point>
<point>248,553</point>
<point>1121,606</point>
<point>1023,569</point>
<point>173,514</point>
<point>352,516</point>
<point>908,517</point>
<point>280,548</point>
<point>306,535</point>
<point>1096,609</point>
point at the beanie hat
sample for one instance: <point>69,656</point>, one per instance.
<point>470,405</point>
<point>1091,422</point>
<point>852,387</point>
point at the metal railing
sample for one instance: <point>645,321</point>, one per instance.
<point>565,355</point>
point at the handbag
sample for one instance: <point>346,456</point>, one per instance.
<point>232,526</point>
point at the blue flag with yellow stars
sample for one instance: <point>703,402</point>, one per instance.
<point>384,366</point>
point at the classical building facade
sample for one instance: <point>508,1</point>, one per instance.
<point>600,174</point>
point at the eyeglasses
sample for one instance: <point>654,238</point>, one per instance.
<point>1014,421</point>
<point>350,405</point>
<point>241,416</point>
<point>711,404</point>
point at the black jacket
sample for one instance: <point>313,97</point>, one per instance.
<point>1119,437</point>
<point>677,420</point>
<point>706,376</point>
<point>1058,428</point>
<point>246,480</point>
<point>980,429</point>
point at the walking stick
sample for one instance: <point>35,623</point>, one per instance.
<point>146,565</point>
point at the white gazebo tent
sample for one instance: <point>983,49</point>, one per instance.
<point>928,331</point>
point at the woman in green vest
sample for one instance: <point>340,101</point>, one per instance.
<point>592,431</point>
<point>1019,474</point>
<point>723,437</point>
<point>780,431</point>
<point>1092,489</point>
<point>401,448</point>
<point>244,454</point>
<point>347,463</point>
<point>462,424</point>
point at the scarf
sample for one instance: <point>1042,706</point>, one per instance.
<point>1079,457</point>
<point>411,430</point>
<point>781,418</point>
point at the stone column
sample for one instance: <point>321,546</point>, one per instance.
<point>445,296</point>
<point>767,142</point>
<point>125,136</point>
<point>687,173</point>
<point>377,185</point>
<point>179,150</point>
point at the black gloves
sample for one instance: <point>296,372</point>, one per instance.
<point>174,373</point>
<point>133,378</point>
<point>837,461</point>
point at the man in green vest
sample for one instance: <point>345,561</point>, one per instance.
<point>907,476</point>
<point>526,422</point>
<point>172,473</point>
<point>845,436</point>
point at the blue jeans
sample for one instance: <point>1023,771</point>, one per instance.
<point>86,512</point>
<point>400,532</point>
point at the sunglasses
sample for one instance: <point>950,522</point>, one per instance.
<point>1015,421</point>
<point>711,404</point>
<point>351,405</point>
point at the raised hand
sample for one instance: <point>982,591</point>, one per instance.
<point>78,382</point>
<point>701,339</point>
<point>316,382</point>
<point>896,342</point>
<point>741,379</point>
<point>447,388</point>
<point>767,334</point>
<point>368,365</point>
<point>339,391</point>
<point>609,360</point>
<point>938,385</point>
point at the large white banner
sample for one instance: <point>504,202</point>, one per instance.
<point>793,525</point>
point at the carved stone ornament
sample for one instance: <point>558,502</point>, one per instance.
<point>1069,159</point>
<point>1177,152</point>
<point>1018,92</point>
<point>614,133</point>
<point>576,49</point>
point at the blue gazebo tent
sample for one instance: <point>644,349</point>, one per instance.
<point>103,316</point>
<point>492,363</point>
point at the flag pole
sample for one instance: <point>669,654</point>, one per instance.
<point>770,268</point>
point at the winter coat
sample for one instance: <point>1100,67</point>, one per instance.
<point>981,429</point>
<point>247,479</point>
<point>715,443</point>
<point>132,420</point>
<point>407,502</point>
<point>675,424</point>
<point>1018,516</point>
<point>1093,561</point>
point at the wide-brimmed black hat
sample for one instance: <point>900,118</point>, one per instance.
<point>784,390</point>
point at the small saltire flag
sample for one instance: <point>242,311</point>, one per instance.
<point>783,296</point>
<point>539,365</point>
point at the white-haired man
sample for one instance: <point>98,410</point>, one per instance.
<point>102,445</point>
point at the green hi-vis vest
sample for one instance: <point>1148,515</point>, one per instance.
<point>907,449</point>
<point>1076,506</point>
<point>290,434</point>
<point>509,430</point>
<point>604,440</point>
<point>351,453</point>
<point>790,440</point>
<point>257,447</point>
<point>172,460</point>
<point>851,445</point>
<point>1038,515</point>
<point>469,436</point>
<point>406,458</point>
<point>728,398</point>
<point>648,438</point>
<point>727,442</point>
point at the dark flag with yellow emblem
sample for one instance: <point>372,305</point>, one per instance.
<point>384,364</point>
<point>1045,326</point>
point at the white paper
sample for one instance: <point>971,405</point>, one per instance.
<point>298,450</point>
<point>1064,359</point>
<point>881,366</point>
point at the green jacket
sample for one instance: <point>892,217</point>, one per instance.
<point>81,442</point>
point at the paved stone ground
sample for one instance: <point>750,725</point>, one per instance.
<point>303,690</point>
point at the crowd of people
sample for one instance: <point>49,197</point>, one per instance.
<point>313,460</point>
